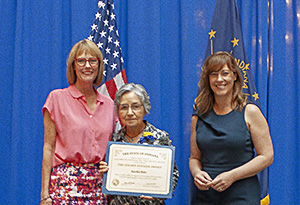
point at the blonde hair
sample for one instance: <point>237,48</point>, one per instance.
<point>205,100</point>
<point>84,46</point>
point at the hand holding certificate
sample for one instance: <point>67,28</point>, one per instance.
<point>136,170</point>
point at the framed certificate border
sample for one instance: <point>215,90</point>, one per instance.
<point>139,169</point>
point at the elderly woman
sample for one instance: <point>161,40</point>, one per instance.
<point>132,104</point>
<point>78,122</point>
<point>225,130</point>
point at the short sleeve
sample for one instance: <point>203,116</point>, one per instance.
<point>49,105</point>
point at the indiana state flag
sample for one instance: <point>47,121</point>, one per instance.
<point>226,35</point>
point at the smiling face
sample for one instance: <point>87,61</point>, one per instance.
<point>131,111</point>
<point>88,72</point>
<point>222,82</point>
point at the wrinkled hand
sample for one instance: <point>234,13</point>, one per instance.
<point>202,180</point>
<point>222,181</point>
<point>146,197</point>
<point>103,167</point>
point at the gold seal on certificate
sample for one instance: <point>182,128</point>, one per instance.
<point>137,169</point>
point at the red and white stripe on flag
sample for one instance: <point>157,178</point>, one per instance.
<point>111,87</point>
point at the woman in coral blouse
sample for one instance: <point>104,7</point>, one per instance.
<point>78,122</point>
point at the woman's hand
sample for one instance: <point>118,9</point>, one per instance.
<point>103,167</point>
<point>47,201</point>
<point>222,181</point>
<point>202,180</point>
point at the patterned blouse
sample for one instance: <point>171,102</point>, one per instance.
<point>160,137</point>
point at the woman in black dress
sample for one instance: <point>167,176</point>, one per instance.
<point>225,130</point>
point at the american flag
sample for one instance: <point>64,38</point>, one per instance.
<point>105,34</point>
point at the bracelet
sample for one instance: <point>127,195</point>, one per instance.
<point>45,199</point>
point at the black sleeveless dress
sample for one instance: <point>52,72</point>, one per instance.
<point>225,143</point>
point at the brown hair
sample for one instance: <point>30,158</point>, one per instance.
<point>205,100</point>
<point>84,46</point>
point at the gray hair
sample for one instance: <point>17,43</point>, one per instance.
<point>139,90</point>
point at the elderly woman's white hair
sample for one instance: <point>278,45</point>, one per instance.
<point>139,90</point>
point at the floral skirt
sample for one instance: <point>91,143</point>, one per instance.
<point>76,184</point>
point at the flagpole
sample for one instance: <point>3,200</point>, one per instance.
<point>268,62</point>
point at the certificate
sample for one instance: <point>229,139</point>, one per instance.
<point>137,169</point>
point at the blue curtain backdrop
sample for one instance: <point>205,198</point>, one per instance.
<point>163,44</point>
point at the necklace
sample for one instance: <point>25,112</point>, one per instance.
<point>132,137</point>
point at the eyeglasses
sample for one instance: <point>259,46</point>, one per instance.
<point>224,73</point>
<point>82,61</point>
<point>135,108</point>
